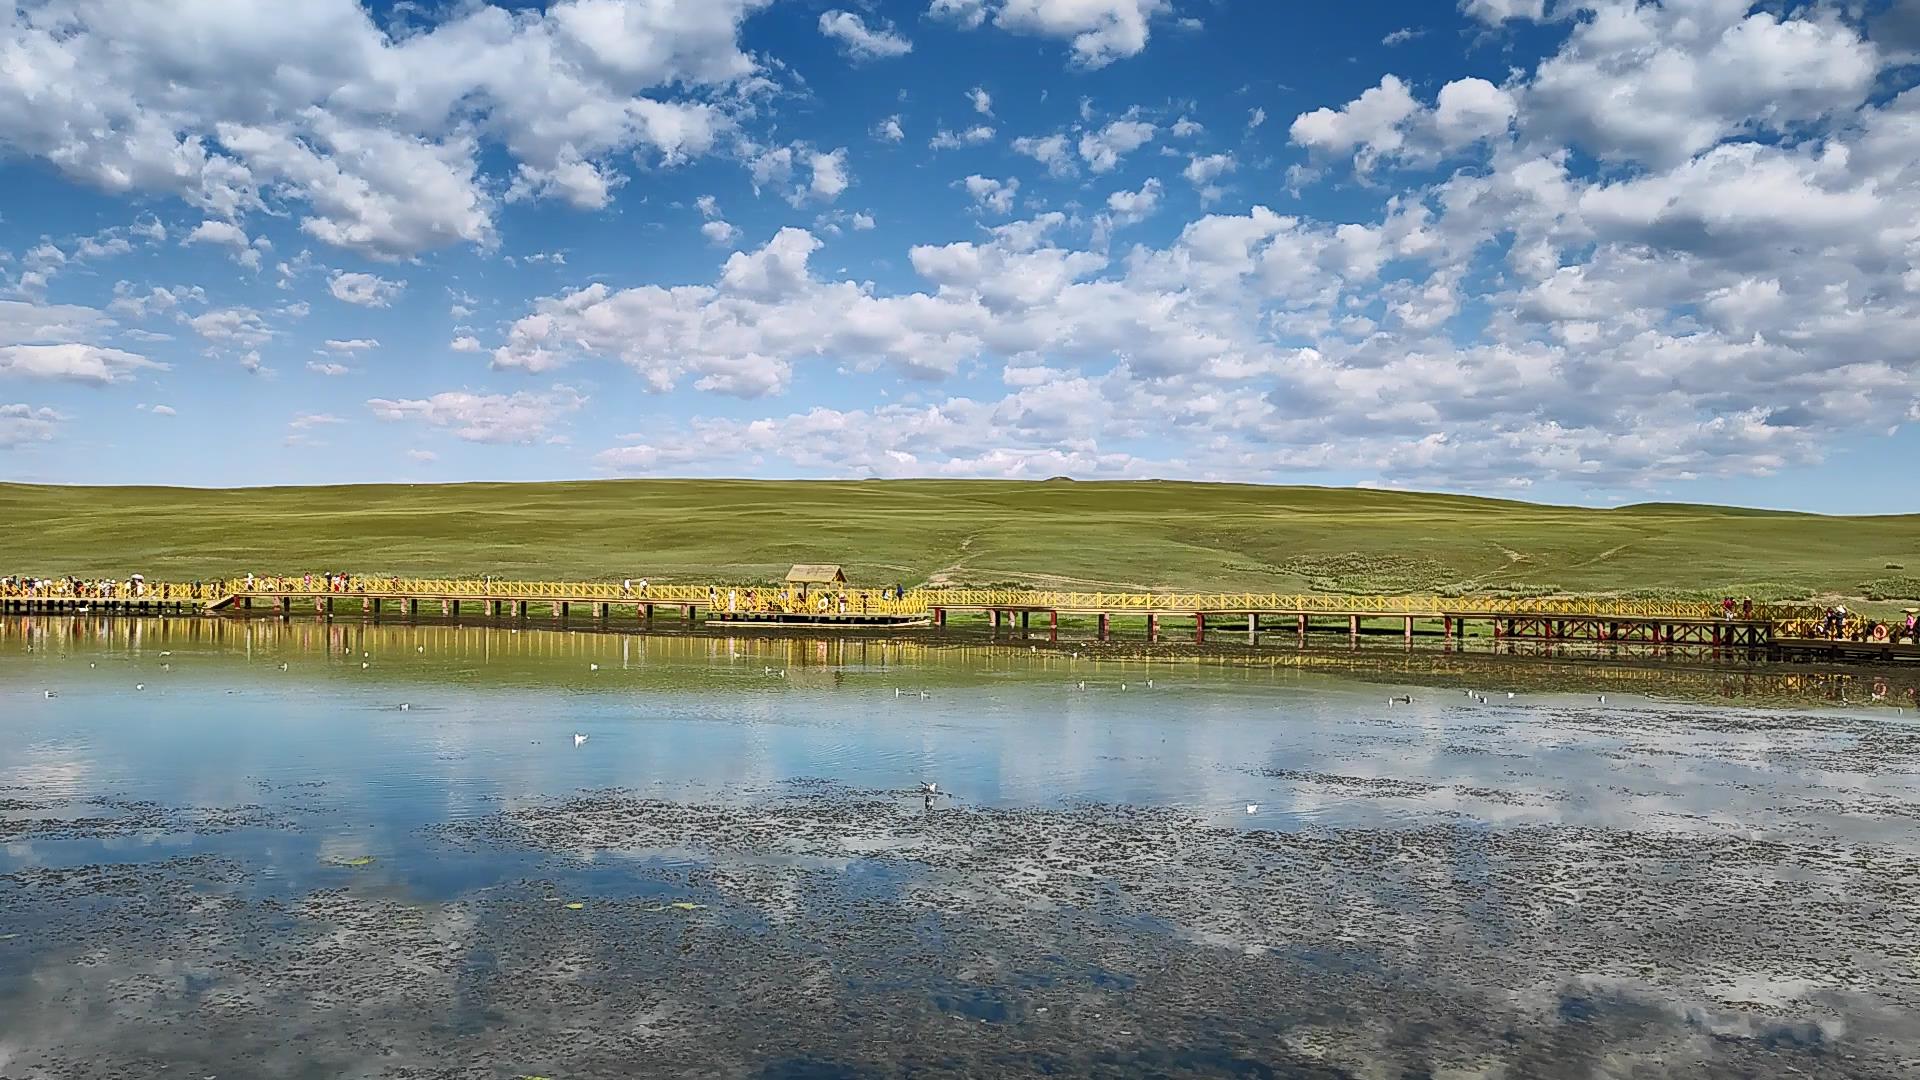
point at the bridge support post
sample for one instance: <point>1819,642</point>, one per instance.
<point>446,608</point>
<point>1409,629</point>
<point>1106,625</point>
<point>1199,628</point>
<point>1303,626</point>
<point>455,604</point>
<point>247,602</point>
<point>520,609</point>
<point>686,614</point>
<point>1446,627</point>
<point>646,612</point>
<point>600,612</point>
<point>1353,626</point>
<point>1153,627</point>
<point>1053,625</point>
<point>370,606</point>
<point>939,616</point>
<point>1253,628</point>
<point>1025,622</point>
<point>993,619</point>
<point>326,607</point>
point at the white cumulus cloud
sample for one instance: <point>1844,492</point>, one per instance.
<point>860,41</point>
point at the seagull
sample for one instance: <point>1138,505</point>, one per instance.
<point>897,691</point>
<point>51,695</point>
<point>923,693</point>
<point>404,706</point>
<point>1253,808</point>
<point>366,654</point>
<point>928,787</point>
<point>593,667</point>
<point>1123,686</point>
<point>140,686</point>
<point>1603,699</point>
<point>166,653</point>
<point>419,648</point>
<point>364,665</point>
<point>1083,684</point>
<point>1149,684</point>
<point>283,667</point>
<point>578,738</point>
<point>1509,695</point>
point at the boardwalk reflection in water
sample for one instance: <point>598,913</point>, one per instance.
<point>1178,866</point>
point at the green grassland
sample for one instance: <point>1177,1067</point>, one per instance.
<point>1145,535</point>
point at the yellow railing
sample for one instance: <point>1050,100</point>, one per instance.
<point>762,599</point>
<point>1335,604</point>
<point>716,599</point>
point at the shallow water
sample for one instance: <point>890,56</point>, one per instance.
<point>227,847</point>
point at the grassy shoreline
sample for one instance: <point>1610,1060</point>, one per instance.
<point>1082,535</point>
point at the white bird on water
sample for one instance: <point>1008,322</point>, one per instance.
<point>139,686</point>
<point>283,667</point>
<point>51,695</point>
<point>404,706</point>
<point>578,738</point>
<point>593,667</point>
<point>364,665</point>
<point>1253,808</point>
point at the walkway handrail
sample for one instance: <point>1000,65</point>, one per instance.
<point>722,598</point>
<point>1342,604</point>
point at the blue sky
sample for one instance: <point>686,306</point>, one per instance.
<point>1570,251</point>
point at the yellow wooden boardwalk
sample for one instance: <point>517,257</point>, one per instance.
<point>1546,617</point>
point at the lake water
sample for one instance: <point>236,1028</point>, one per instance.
<point>248,848</point>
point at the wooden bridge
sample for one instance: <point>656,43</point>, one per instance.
<point>1746,626</point>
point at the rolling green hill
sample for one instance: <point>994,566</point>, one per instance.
<point>1144,535</point>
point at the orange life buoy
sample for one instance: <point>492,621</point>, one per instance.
<point>1880,632</point>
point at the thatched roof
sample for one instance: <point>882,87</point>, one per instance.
<point>816,574</point>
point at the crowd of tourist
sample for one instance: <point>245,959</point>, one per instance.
<point>1840,625</point>
<point>135,587</point>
